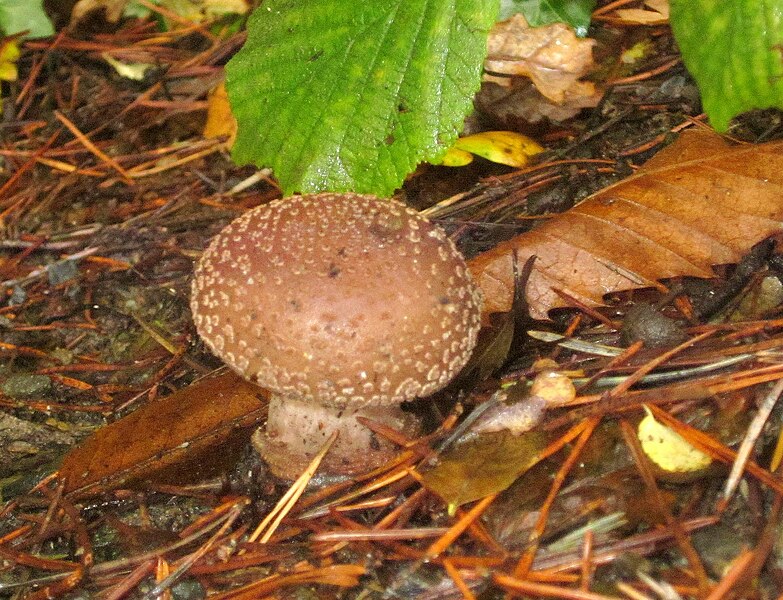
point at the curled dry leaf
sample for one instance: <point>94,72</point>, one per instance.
<point>656,12</point>
<point>698,203</point>
<point>551,56</point>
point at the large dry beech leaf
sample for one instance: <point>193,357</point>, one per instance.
<point>698,203</point>
<point>186,435</point>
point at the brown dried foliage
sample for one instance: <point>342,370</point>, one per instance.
<point>698,203</point>
<point>184,427</point>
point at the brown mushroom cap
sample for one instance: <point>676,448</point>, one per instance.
<point>339,297</point>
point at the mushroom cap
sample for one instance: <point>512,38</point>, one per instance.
<point>343,298</point>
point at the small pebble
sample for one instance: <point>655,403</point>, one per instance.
<point>188,589</point>
<point>645,322</point>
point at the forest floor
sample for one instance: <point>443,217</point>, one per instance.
<point>109,192</point>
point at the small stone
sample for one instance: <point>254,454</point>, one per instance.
<point>646,323</point>
<point>188,589</point>
<point>62,271</point>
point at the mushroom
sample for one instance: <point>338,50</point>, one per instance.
<point>342,305</point>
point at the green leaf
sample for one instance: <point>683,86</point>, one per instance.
<point>733,50</point>
<point>25,15</point>
<point>337,95</point>
<point>575,13</point>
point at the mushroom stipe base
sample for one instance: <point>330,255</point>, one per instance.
<point>297,429</point>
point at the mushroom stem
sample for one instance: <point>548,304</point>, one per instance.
<point>297,429</point>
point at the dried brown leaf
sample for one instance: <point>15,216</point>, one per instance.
<point>522,101</point>
<point>112,9</point>
<point>551,56</point>
<point>656,13</point>
<point>698,203</point>
<point>484,464</point>
<point>192,427</point>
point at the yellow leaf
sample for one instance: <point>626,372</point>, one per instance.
<point>455,157</point>
<point>9,51</point>
<point>668,449</point>
<point>9,54</point>
<point>8,71</point>
<point>503,147</point>
<point>220,120</point>
<point>135,71</point>
<point>216,8</point>
<point>637,52</point>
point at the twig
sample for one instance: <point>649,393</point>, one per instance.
<point>286,503</point>
<point>746,447</point>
